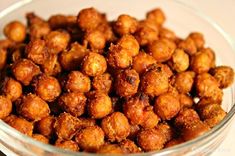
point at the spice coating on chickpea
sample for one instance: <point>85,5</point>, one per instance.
<point>51,66</point>
<point>184,81</point>
<point>179,61</point>
<point>5,107</point>
<point>150,118</point>
<point>40,138</point>
<point>102,83</point>
<point>95,40</point>
<point>129,43</point>
<point>15,31</point>
<point>129,146</point>
<point>46,126</point>
<point>67,145</point>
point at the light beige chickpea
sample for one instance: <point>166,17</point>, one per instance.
<point>15,31</point>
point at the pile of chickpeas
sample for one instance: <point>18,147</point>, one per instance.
<point>83,83</point>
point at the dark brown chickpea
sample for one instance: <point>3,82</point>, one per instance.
<point>94,64</point>
<point>90,138</point>
<point>102,83</point>
<point>5,107</point>
<point>51,65</point>
<point>188,46</point>
<point>127,82</point>
<point>73,103</point>
<point>184,81</point>
<point>40,138</point>
<point>179,61</point>
<point>167,33</point>
<point>71,59</point>
<point>57,41</point>
<point>224,75</point>
<point>46,126</point>
<point>110,149</point>
<point>77,82</point>
<point>201,62</point>
<point>186,101</point>
<point>67,145</point>
<point>33,108</point>
<point>116,127</point>
<point>129,146</point>
<point>15,31</point>
<point>95,40</point>
<point>24,70</point>
<point>99,105</point>
<point>198,39</point>
<point>36,51</point>
<point>3,58</point>
<point>20,124</point>
<point>157,16</point>
<point>146,35</point>
<point>129,43</point>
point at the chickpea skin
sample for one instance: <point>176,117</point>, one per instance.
<point>15,31</point>
<point>5,107</point>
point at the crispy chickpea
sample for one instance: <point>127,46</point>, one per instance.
<point>94,64</point>
<point>46,126</point>
<point>90,138</point>
<point>20,124</point>
<point>164,67</point>
<point>6,43</point>
<point>102,83</point>
<point>167,33</point>
<point>127,83</point>
<point>40,138</point>
<point>186,101</point>
<point>184,81</point>
<point>174,142</point>
<point>95,40</point>
<point>224,75</point>
<point>86,122</point>
<point>67,145</point>
<point>134,130</point>
<point>211,55</point>
<point>166,130</point>
<point>77,82</point>
<point>150,139</point>
<point>179,61</point>
<point>129,146</point>
<point>36,51</point>
<point>24,70</point>
<point>188,46</point>
<point>99,105</point>
<point>73,103</point>
<point>62,21</point>
<point>198,39</point>
<point>161,50</point>
<point>66,126</point>
<point>142,61</point>
<point>57,41</point>
<point>3,58</point>
<point>71,59</point>
<point>157,16</point>
<point>5,107</point>
<point>33,108</point>
<point>146,35</point>
<point>17,52</point>
<point>12,89</point>
<point>201,62</point>
<point>167,106</point>
<point>110,149</point>
<point>125,24</point>
<point>129,43</point>
<point>15,31</point>
<point>116,127</point>
<point>150,118</point>
<point>51,65</point>
<point>107,30</point>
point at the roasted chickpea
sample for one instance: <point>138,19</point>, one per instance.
<point>3,58</point>
<point>129,146</point>
<point>94,64</point>
<point>36,51</point>
<point>15,31</point>
<point>62,21</point>
<point>46,126</point>
<point>211,55</point>
<point>6,43</point>
<point>77,82</point>
<point>86,122</point>
<point>102,83</point>
<point>164,67</point>
<point>67,145</point>
<point>129,43</point>
<point>146,35</point>
<point>71,59</point>
<point>167,106</point>
<point>127,83</point>
<point>157,16</point>
<point>57,41</point>
<point>73,103</point>
<point>161,50</point>
<point>33,108</point>
<point>107,31</point>
<point>51,66</point>
<point>189,46</point>
<point>5,107</point>
<point>150,118</point>
<point>198,39</point>
<point>24,70</point>
<point>20,124</point>
<point>184,81</point>
<point>116,127</point>
<point>40,138</point>
<point>201,62</point>
<point>167,33</point>
<point>90,138</point>
<point>186,101</point>
<point>174,142</point>
<point>95,40</point>
<point>12,89</point>
<point>224,75</point>
<point>166,130</point>
<point>134,130</point>
<point>179,60</point>
<point>17,52</point>
<point>110,149</point>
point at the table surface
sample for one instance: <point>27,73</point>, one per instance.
<point>224,16</point>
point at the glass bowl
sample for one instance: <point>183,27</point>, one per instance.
<point>181,18</point>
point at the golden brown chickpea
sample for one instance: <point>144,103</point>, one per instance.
<point>211,55</point>
<point>174,142</point>
<point>17,52</point>
<point>102,83</point>
<point>51,66</point>
<point>20,124</point>
<point>142,61</point>
<point>73,103</point>
<point>62,21</point>
<point>167,33</point>
<point>146,35</point>
<point>186,101</point>
<point>116,127</point>
<point>134,130</point>
<point>94,64</point>
<point>57,41</point>
<point>125,24</point>
<point>67,145</point>
<point>127,82</point>
<point>188,46</point>
<point>77,82</point>
<point>150,139</point>
<point>12,89</point>
<point>36,51</point>
<point>24,70</point>
<point>33,108</point>
<point>167,106</point>
<point>46,126</point>
<point>90,138</point>
<point>129,146</point>
<point>129,43</point>
<point>201,62</point>
<point>119,57</point>
<point>198,39</point>
<point>6,44</point>
<point>5,107</point>
<point>89,19</point>
<point>99,105</point>
<point>161,50</point>
<point>179,61</point>
<point>3,58</point>
<point>148,23</point>
<point>95,40</point>
<point>86,122</point>
<point>224,75</point>
<point>166,130</point>
<point>66,126</point>
<point>15,31</point>
<point>184,81</point>
<point>40,138</point>
<point>157,16</point>
<point>110,149</point>
<point>71,59</point>
<point>150,118</point>
<point>164,67</point>
<point>107,30</point>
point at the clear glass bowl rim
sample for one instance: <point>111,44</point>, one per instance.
<point>50,148</point>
